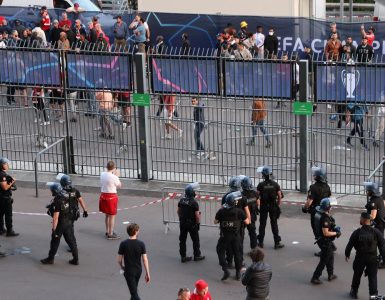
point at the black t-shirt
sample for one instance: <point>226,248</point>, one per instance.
<point>3,178</point>
<point>187,208</point>
<point>325,221</point>
<point>132,251</point>
<point>230,220</point>
<point>377,203</point>
<point>317,192</point>
<point>268,193</point>
<point>61,205</point>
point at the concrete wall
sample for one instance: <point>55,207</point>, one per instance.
<point>277,8</point>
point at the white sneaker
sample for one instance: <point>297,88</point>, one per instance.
<point>45,123</point>
<point>180,132</point>
<point>124,126</point>
<point>35,121</point>
<point>168,136</point>
<point>61,121</point>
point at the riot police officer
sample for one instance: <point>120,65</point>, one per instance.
<point>326,232</point>
<point>234,186</point>
<point>75,198</point>
<point>61,225</point>
<point>270,195</point>
<point>7,186</point>
<point>251,197</point>
<point>230,219</point>
<point>189,223</point>
<point>365,241</point>
<point>317,191</point>
<point>375,207</point>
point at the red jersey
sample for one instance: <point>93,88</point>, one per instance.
<point>195,296</point>
<point>370,38</point>
<point>65,22</point>
<point>45,22</point>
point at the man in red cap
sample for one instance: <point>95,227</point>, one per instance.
<point>201,291</point>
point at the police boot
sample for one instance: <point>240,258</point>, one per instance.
<point>238,275</point>
<point>332,277</point>
<point>226,274</point>
<point>74,262</point>
<point>47,261</point>
<point>185,259</point>
<point>279,245</point>
<point>318,254</point>
<point>11,234</point>
<point>2,231</point>
<point>353,294</point>
<point>315,281</point>
<point>3,254</point>
<point>198,258</point>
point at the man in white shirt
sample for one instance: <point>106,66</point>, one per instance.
<point>259,41</point>
<point>108,201</point>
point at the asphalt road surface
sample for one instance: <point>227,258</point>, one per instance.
<point>97,277</point>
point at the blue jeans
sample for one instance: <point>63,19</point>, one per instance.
<point>197,136</point>
<point>91,103</point>
<point>261,125</point>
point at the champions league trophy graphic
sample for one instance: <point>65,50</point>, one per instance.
<point>350,80</point>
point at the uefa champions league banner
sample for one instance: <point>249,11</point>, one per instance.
<point>258,79</point>
<point>29,68</point>
<point>350,83</point>
<point>99,71</point>
<point>182,75</point>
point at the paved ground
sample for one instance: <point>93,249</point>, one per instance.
<point>97,277</point>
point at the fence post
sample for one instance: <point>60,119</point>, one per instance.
<point>303,128</point>
<point>142,88</point>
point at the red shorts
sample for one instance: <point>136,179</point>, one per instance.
<point>108,203</point>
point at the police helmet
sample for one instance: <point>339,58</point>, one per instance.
<point>190,189</point>
<point>55,188</point>
<point>319,174</point>
<point>324,205</point>
<point>65,180</point>
<point>266,172</point>
<point>234,183</point>
<point>4,161</point>
<point>371,187</point>
<point>231,199</point>
<point>246,184</point>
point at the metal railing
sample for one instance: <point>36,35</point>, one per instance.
<point>227,87</point>
<point>35,161</point>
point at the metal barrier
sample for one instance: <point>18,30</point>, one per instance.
<point>61,141</point>
<point>97,130</point>
<point>209,204</point>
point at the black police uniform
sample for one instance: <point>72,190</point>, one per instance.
<point>317,191</point>
<point>74,195</point>
<point>323,220</point>
<point>365,241</point>
<point>268,194</point>
<point>251,198</point>
<point>6,202</point>
<point>64,227</point>
<point>377,202</point>
<point>187,224</point>
<point>230,221</point>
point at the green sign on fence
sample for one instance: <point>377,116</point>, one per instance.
<point>302,108</point>
<point>141,100</point>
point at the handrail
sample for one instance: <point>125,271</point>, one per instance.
<point>38,156</point>
<point>377,168</point>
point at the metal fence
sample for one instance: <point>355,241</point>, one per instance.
<point>209,204</point>
<point>75,85</point>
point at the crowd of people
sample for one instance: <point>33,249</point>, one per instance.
<point>65,34</point>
